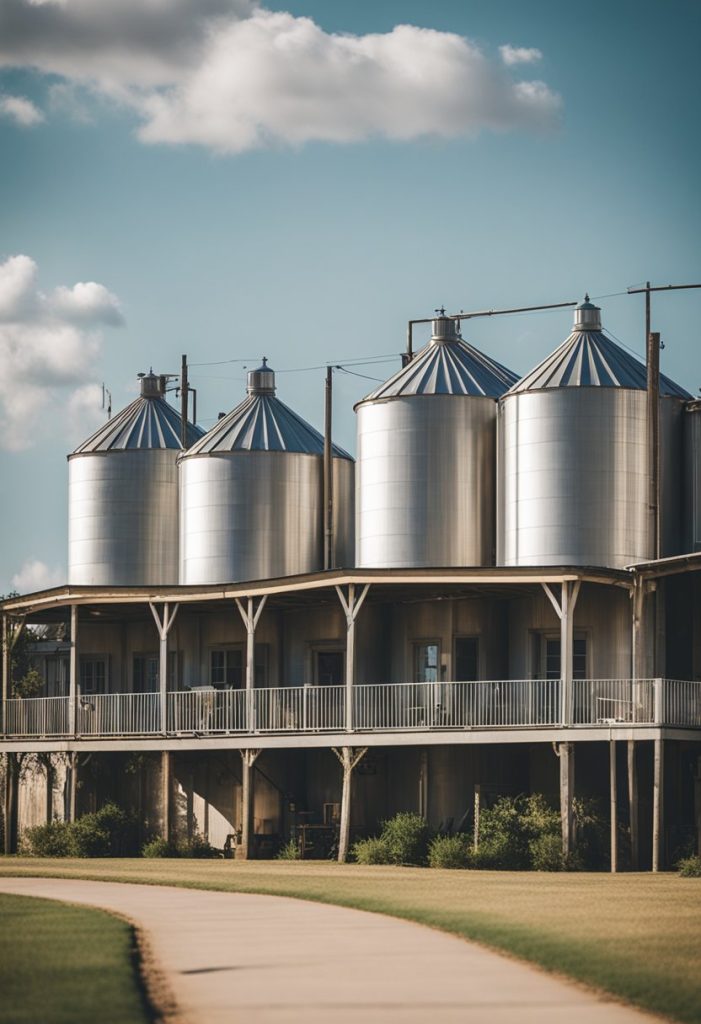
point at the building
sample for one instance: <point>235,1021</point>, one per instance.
<point>513,619</point>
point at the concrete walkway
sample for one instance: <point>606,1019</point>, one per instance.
<point>231,957</point>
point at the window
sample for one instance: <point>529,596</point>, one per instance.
<point>56,669</point>
<point>426,662</point>
<point>329,667</point>
<point>546,656</point>
<point>146,672</point>
<point>227,667</point>
<point>93,674</point>
<point>466,659</point>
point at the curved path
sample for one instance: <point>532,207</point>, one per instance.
<point>231,957</point>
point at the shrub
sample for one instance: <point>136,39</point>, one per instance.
<point>690,867</point>
<point>200,848</point>
<point>109,832</point>
<point>406,837</point>
<point>290,851</point>
<point>160,847</point>
<point>55,839</point>
<point>546,852</point>
<point>592,851</point>
<point>370,851</point>
<point>520,833</point>
<point>197,847</point>
<point>450,852</point>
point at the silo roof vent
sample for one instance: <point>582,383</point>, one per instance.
<point>445,328</point>
<point>587,316</point>
<point>262,380</point>
<point>152,386</point>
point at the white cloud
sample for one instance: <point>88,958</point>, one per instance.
<point>232,76</point>
<point>519,54</point>
<point>36,575</point>
<point>49,345</point>
<point>20,109</point>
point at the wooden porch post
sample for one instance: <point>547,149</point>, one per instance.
<point>564,609</point>
<point>248,760</point>
<point>349,758</point>
<point>73,674</point>
<point>5,670</point>
<point>351,606</point>
<point>633,806</point>
<point>166,794</point>
<point>566,755</point>
<point>250,615</point>
<point>10,801</point>
<point>613,781</point>
<point>658,806</point>
<point>163,626</point>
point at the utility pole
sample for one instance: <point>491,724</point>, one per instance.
<point>328,469</point>
<point>184,390</point>
<point>652,355</point>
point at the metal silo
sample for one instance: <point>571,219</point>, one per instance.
<point>123,495</point>
<point>426,458</point>
<point>692,476</point>
<point>573,457</point>
<point>251,494</point>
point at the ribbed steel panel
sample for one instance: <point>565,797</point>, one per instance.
<point>123,518</point>
<point>425,482</point>
<point>573,477</point>
<point>257,514</point>
<point>692,477</point>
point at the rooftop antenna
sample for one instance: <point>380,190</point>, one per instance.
<point>107,400</point>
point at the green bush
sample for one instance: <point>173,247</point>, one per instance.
<point>520,833</point>
<point>690,867</point>
<point>450,852</point>
<point>370,851</point>
<point>289,851</point>
<point>55,839</point>
<point>160,847</point>
<point>546,852</point>
<point>406,837</point>
<point>197,847</point>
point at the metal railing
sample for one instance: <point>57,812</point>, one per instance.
<point>378,707</point>
<point>118,714</point>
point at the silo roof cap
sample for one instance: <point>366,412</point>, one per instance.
<point>448,365</point>
<point>148,422</point>
<point>590,358</point>
<point>262,423</point>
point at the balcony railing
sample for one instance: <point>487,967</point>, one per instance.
<point>378,707</point>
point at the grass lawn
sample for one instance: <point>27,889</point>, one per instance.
<point>61,964</point>
<point>636,936</point>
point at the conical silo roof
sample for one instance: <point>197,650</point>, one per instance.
<point>448,365</point>
<point>146,423</point>
<point>262,423</point>
<point>589,358</point>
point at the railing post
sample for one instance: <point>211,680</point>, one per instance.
<point>305,688</point>
<point>351,606</point>
<point>163,625</point>
<point>658,693</point>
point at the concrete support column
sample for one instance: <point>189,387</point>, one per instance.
<point>633,806</point>
<point>73,674</point>
<point>248,760</point>
<point>166,794</point>
<point>349,757</point>
<point>658,807</point>
<point>566,754</point>
<point>351,606</point>
<point>250,615</point>
<point>72,781</point>
<point>613,780</point>
<point>423,784</point>
<point>10,801</point>
<point>164,623</point>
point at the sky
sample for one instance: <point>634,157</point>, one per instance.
<point>231,180</point>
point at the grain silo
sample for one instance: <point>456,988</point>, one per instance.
<point>252,494</point>
<point>573,457</point>
<point>426,458</point>
<point>123,495</point>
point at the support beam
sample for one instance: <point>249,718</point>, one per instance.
<point>478,814</point>
<point>166,794</point>
<point>73,674</point>
<point>250,615</point>
<point>564,609</point>
<point>10,801</point>
<point>613,782</point>
<point>163,625</point>
<point>633,806</point>
<point>72,786</point>
<point>351,607</point>
<point>248,760</point>
<point>5,668</point>
<point>349,758</point>
<point>49,770</point>
<point>565,752</point>
<point>658,807</point>
<point>423,784</point>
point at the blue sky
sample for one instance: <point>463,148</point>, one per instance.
<point>122,166</point>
